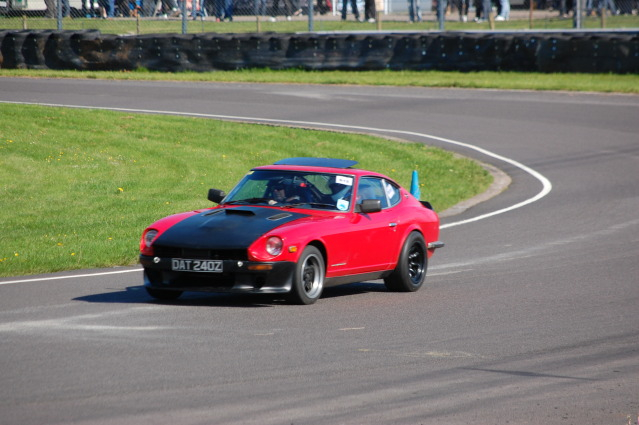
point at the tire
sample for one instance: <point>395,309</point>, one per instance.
<point>308,280</point>
<point>410,272</point>
<point>163,294</point>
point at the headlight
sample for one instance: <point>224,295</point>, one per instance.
<point>274,245</point>
<point>149,236</point>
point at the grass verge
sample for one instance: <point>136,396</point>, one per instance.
<point>606,83</point>
<point>77,187</point>
<point>248,24</point>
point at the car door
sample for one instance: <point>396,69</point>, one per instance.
<point>375,234</point>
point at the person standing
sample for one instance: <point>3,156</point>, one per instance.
<point>288,9</point>
<point>259,8</point>
<point>504,12</point>
<point>609,5</point>
<point>228,10</point>
<point>483,9</point>
<point>462,7</point>
<point>370,11</point>
<point>353,8</point>
<point>414,11</point>
<point>66,8</point>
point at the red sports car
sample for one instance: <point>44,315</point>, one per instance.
<point>294,228</point>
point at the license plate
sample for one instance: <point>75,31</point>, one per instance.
<point>204,266</point>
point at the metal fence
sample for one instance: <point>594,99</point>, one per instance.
<point>238,16</point>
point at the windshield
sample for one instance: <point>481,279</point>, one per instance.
<point>294,188</point>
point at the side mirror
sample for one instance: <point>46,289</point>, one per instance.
<point>370,206</point>
<point>216,195</point>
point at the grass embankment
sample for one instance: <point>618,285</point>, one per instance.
<point>606,83</point>
<point>77,187</point>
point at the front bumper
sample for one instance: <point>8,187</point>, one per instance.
<point>237,276</point>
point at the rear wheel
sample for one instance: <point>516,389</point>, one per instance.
<point>410,272</point>
<point>308,281</point>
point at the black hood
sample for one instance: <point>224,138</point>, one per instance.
<point>225,228</point>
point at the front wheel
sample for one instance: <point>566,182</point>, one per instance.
<point>410,272</point>
<point>308,281</point>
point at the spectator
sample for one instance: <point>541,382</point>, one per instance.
<point>164,7</point>
<point>414,12</point>
<point>87,9</point>
<point>324,6</point>
<point>226,13</point>
<point>288,9</point>
<point>146,7</point>
<point>123,8</point>
<point>478,14</point>
<point>463,6</point>
<point>353,9</point>
<point>564,7</point>
<point>483,9</point>
<point>66,8</point>
<point>51,11</point>
<point>259,8</point>
<point>107,8</point>
<point>504,10</point>
<point>197,9</point>
<point>607,4</point>
<point>370,11</point>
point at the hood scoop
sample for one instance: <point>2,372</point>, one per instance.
<point>280,216</point>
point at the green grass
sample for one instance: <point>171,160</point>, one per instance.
<point>607,83</point>
<point>76,195</point>
<point>77,187</point>
<point>249,24</point>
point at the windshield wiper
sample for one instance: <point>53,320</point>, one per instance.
<point>313,204</point>
<point>247,201</point>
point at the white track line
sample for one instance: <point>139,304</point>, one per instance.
<point>546,185</point>
<point>42,279</point>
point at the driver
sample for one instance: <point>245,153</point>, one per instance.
<point>281,193</point>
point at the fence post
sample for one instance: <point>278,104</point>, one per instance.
<point>184,16</point>
<point>311,24</point>
<point>59,14</point>
<point>577,24</point>
<point>441,10</point>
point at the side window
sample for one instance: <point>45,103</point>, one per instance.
<point>371,188</point>
<point>392,193</point>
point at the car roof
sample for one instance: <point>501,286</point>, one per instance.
<point>321,165</point>
<point>317,162</point>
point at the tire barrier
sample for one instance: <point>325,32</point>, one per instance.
<point>89,50</point>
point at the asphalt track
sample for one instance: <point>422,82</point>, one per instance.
<point>530,314</point>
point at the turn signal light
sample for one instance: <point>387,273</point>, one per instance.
<point>260,267</point>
